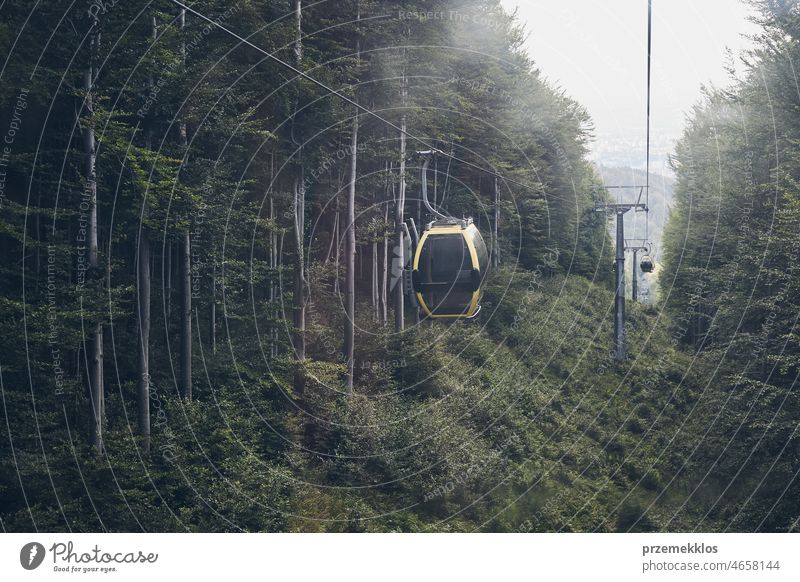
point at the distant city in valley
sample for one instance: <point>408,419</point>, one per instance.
<point>628,150</point>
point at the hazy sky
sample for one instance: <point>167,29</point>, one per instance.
<point>596,51</point>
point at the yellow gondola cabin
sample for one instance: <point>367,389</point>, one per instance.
<point>449,266</point>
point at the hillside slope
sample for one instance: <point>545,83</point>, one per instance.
<point>518,421</point>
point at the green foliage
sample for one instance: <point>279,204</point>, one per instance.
<point>731,259</point>
<point>526,424</point>
<point>517,421</point>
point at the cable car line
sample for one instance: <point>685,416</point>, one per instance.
<point>647,130</point>
<point>647,264</point>
<point>619,209</point>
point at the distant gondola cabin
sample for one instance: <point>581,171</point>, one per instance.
<point>449,266</point>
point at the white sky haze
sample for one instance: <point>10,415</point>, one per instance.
<point>596,51</point>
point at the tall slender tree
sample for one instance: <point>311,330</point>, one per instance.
<point>495,224</point>
<point>274,257</point>
<point>299,212</point>
<point>399,259</point>
<point>384,277</point>
<point>350,253</point>
<point>96,381</point>
<point>185,258</point>
<point>143,303</point>
<point>143,312</point>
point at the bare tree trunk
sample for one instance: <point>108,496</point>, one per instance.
<point>299,303</point>
<point>350,288</point>
<point>328,254</point>
<point>69,271</point>
<point>385,264</point>
<point>143,287</point>
<point>297,8</point>
<point>279,268</point>
<point>495,240</point>
<point>399,258</point>
<point>271,272</point>
<point>143,311</point>
<point>299,300</point>
<point>98,390</point>
<point>375,288</point>
<point>185,268</point>
<point>338,243</point>
<point>273,260</point>
<point>182,25</point>
<point>212,309</point>
<point>350,256</point>
<point>168,285</point>
<point>38,229</point>
<point>186,316</point>
<point>96,358</point>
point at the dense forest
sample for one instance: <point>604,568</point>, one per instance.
<point>203,323</point>
<point>733,293</point>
